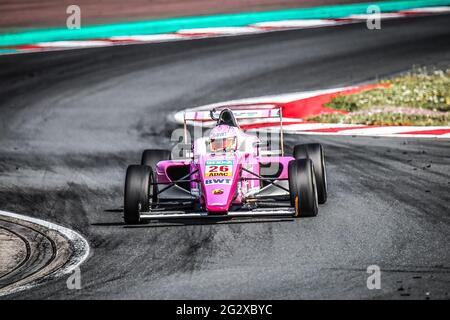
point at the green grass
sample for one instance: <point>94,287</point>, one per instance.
<point>385,119</point>
<point>420,97</point>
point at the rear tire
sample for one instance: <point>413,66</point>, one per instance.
<point>314,151</point>
<point>151,157</point>
<point>137,192</point>
<point>302,188</point>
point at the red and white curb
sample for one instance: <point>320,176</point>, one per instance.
<point>297,106</point>
<point>198,33</point>
<point>81,250</point>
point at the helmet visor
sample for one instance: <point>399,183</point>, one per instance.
<point>223,144</point>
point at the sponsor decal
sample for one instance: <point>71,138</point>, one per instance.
<point>217,181</point>
<point>217,191</point>
<point>218,162</point>
<point>219,135</point>
<point>248,114</point>
<point>218,174</point>
<point>218,168</point>
<point>195,191</point>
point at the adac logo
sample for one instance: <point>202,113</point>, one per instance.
<point>217,191</point>
<point>218,174</point>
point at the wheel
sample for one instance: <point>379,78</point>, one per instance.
<point>314,151</point>
<point>302,188</point>
<point>151,157</point>
<point>138,187</point>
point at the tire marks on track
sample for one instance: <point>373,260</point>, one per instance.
<point>51,251</point>
<point>41,252</point>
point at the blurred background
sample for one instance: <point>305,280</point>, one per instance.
<point>17,15</point>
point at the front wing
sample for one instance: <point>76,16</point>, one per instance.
<point>266,212</point>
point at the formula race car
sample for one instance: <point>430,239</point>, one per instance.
<point>227,174</point>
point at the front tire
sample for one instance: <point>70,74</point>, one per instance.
<point>302,188</point>
<point>138,183</point>
<point>314,151</point>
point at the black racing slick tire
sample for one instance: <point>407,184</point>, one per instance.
<point>302,188</point>
<point>314,151</point>
<point>151,157</point>
<point>138,183</point>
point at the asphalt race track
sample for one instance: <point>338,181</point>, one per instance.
<point>71,121</point>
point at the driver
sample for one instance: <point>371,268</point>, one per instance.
<point>223,138</point>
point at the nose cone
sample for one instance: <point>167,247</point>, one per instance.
<point>220,178</point>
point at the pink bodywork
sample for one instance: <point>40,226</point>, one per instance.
<point>218,190</point>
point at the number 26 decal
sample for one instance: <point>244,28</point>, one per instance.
<point>219,169</point>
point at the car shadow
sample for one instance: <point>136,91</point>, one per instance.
<point>197,221</point>
<point>107,224</point>
<point>117,210</point>
<point>190,222</point>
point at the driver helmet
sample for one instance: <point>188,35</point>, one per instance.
<point>223,138</point>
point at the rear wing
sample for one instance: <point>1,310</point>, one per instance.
<point>245,112</point>
<point>239,114</point>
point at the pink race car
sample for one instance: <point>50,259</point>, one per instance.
<point>227,174</point>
